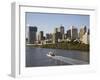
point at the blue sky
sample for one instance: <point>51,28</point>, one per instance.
<point>47,22</point>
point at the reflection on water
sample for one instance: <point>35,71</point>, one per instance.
<point>37,56</point>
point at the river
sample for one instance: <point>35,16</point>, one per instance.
<point>36,57</point>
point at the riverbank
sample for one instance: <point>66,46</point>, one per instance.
<point>65,46</point>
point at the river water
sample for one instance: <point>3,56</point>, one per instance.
<point>36,57</point>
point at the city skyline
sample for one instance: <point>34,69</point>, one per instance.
<point>58,35</point>
<point>47,22</point>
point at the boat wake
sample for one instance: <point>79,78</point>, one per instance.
<point>66,59</point>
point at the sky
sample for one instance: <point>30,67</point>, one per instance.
<point>48,21</point>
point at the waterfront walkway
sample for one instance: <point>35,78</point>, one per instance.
<point>68,60</point>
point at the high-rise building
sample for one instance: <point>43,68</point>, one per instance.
<point>83,30</point>
<point>58,33</point>
<point>88,32</point>
<point>68,34</point>
<point>32,34</point>
<point>41,36</point>
<point>55,30</point>
<point>48,36</point>
<point>61,30</point>
<point>72,33</point>
<point>84,35</point>
<point>55,38</point>
<point>85,38</point>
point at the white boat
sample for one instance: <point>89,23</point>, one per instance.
<point>50,54</point>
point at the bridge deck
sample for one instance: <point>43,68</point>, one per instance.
<point>68,60</point>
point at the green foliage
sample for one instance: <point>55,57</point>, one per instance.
<point>65,45</point>
<point>68,46</point>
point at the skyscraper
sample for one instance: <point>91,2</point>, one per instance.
<point>68,34</point>
<point>41,35</point>
<point>84,35</point>
<point>61,30</point>
<point>83,30</point>
<point>55,30</point>
<point>72,33</point>
<point>55,38</point>
<point>85,38</point>
<point>48,36</point>
<point>58,33</point>
<point>32,34</point>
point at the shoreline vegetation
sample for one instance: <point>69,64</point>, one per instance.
<point>64,45</point>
